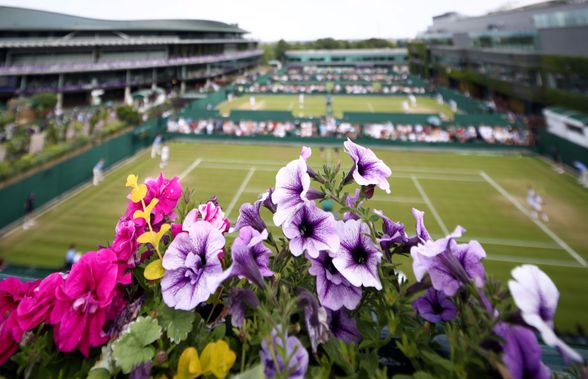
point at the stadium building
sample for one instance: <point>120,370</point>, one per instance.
<point>351,57</point>
<point>524,58</point>
<point>72,56</point>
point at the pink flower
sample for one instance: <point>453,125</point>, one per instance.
<point>12,291</point>
<point>125,242</point>
<point>8,345</point>
<point>35,309</point>
<point>210,212</point>
<point>83,300</point>
<point>167,191</point>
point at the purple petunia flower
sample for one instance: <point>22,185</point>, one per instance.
<point>358,256</point>
<point>352,202</point>
<point>521,352</point>
<point>266,200</point>
<point>251,256</point>
<point>241,298</point>
<point>315,318</point>
<point>422,235</point>
<point>434,306</point>
<point>193,268</point>
<point>334,291</point>
<point>451,267</point>
<point>342,326</point>
<point>449,264</point>
<point>367,168</point>
<point>292,185</point>
<point>311,229</point>
<point>249,215</point>
<point>298,363</point>
<point>392,232</point>
<point>305,152</point>
<point>536,296</point>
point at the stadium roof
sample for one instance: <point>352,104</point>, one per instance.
<point>346,52</point>
<point>22,19</point>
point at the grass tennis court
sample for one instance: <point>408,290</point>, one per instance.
<point>483,193</point>
<point>315,105</point>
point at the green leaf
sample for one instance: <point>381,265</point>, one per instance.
<point>255,372</point>
<point>132,348</point>
<point>438,360</point>
<point>99,373</point>
<point>177,324</point>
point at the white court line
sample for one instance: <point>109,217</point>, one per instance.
<point>398,199</point>
<point>275,169</point>
<point>516,243</point>
<point>538,261</point>
<point>429,204</point>
<point>190,168</point>
<point>240,191</point>
<point>539,223</point>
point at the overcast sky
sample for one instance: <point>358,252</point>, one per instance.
<point>271,20</point>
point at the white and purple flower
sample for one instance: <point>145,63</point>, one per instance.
<point>434,306</point>
<point>536,296</point>
<point>521,352</point>
<point>251,256</point>
<point>342,326</point>
<point>367,168</point>
<point>240,300</point>
<point>249,215</point>
<point>193,268</point>
<point>392,232</point>
<point>315,318</point>
<point>333,290</point>
<point>298,363</point>
<point>292,185</point>
<point>312,230</point>
<point>358,256</point>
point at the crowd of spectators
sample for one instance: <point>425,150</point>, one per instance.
<point>330,127</point>
<point>355,89</point>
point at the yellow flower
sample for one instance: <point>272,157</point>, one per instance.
<point>152,237</point>
<point>132,181</point>
<point>154,270</point>
<point>189,365</point>
<point>138,193</point>
<point>217,358</point>
<point>146,214</point>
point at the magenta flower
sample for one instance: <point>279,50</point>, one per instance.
<point>434,306</point>
<point>82,302</point>
<point>12,291</point>
<point>333,290</point>
<point>249,215</point>
<point>36,308</point>
<point>292,185</point>
<point>367,168</point>
<point>311,229</point>
<point>536,296</point>
<point>250,256</point>
<point>167,191</point>
<point>125,243</point>
<point>193,268</point>
<point>358,256</point>
<point>521,352</point>
<point>392,232</point>
<point>298,363</point>
<point>342,326</point>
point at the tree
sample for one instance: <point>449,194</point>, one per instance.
<point>281,48</point>
<point>128,115</point>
